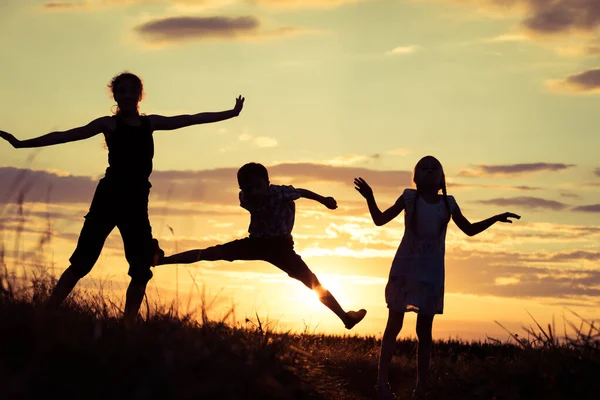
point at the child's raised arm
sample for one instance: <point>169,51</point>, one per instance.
<point>472,229</point>
<point>83,132</point>
<point>161,123</point>
<point>379,218</point>
<point>328,202</point>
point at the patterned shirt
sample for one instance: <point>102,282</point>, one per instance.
<point>275,215</point>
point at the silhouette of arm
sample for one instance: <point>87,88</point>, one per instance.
<point>472,229</point>
<point>382,218</point>
<point>83,132</point>
<point>328,202</point>
<point>162,123</point>
<point>379,218</point>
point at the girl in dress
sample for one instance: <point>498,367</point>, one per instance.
<point>416,281</point>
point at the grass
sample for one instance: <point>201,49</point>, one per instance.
<point>82,350</point>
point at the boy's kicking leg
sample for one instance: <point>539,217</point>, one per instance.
<point>277,252</point>
<point>296,268</point>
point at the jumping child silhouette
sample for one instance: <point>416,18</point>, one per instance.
<point>416,280</point>
<point>272,212</point>
<point>121,197</point>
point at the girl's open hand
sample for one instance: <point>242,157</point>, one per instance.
<point>16,143</point>
<point>363,188</point>
<point>505,217</point>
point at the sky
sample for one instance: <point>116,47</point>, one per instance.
<point>503,92</point>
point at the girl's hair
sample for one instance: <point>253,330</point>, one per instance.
<point>252,170</point>
<point>124,76</point>
<point>413,219</point>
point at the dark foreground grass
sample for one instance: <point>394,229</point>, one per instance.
<point>83,351</point>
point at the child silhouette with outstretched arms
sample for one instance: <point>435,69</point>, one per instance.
<point>121,197</point>
<point>416,280</point>
<point>272,213</point>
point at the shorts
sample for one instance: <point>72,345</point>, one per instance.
<point>278,251</point>
<point>124,208</point>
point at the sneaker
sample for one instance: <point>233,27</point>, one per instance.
<point>354,317</point>
<point>157,253</point>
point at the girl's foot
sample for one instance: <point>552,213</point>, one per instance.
<point>384,392</point>
<point>354,317</point>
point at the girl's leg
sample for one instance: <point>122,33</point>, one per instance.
<point>388,345</point>
<point>94,232</point>
<point>424,326</point>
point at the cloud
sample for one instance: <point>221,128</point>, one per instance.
<point>510,274</point>
<point>403,50</point>
<point>592,208</point>
<point>569,27</point>
<point>194,4</point>
<point>549,17</point>
<point>259,141</point>
<point>353,159</point>
<point>213,186</point>
<point>570,195</point>
<point>507,37</point>
<point>456,185</point>
<point>171,30</point>
<point>303,3</point>
<point>561,16</point>
<point>512,169</point>
<point>68,6</point>
<point>586,82</point>
<point>526,202</point>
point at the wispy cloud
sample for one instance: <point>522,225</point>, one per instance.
<point>531,203</point>
<point>259,141</point>
<point>87,5</point>
<point>512,169</point>
<point>586,82</point>
<point>172,30</point>
<point>354,159</point>
<point>505,38</point>
<point>592,208</point>
<point>282,4</point>
<point>401,50</point>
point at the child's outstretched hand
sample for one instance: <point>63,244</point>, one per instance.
<point>330,203</point>
<point>505,217</point>
<point>10,139</point>
<point>363,188</point>
<point>239,104</point>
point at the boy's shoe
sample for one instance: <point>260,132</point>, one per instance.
<point>354,317</point>
<point>157,253</point>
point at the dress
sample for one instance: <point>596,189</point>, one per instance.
<point>416,281</point>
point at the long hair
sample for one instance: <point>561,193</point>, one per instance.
<point>413,218</point>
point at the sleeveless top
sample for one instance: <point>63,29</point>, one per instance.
<point>130,154</point>
<point>420,255</point>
